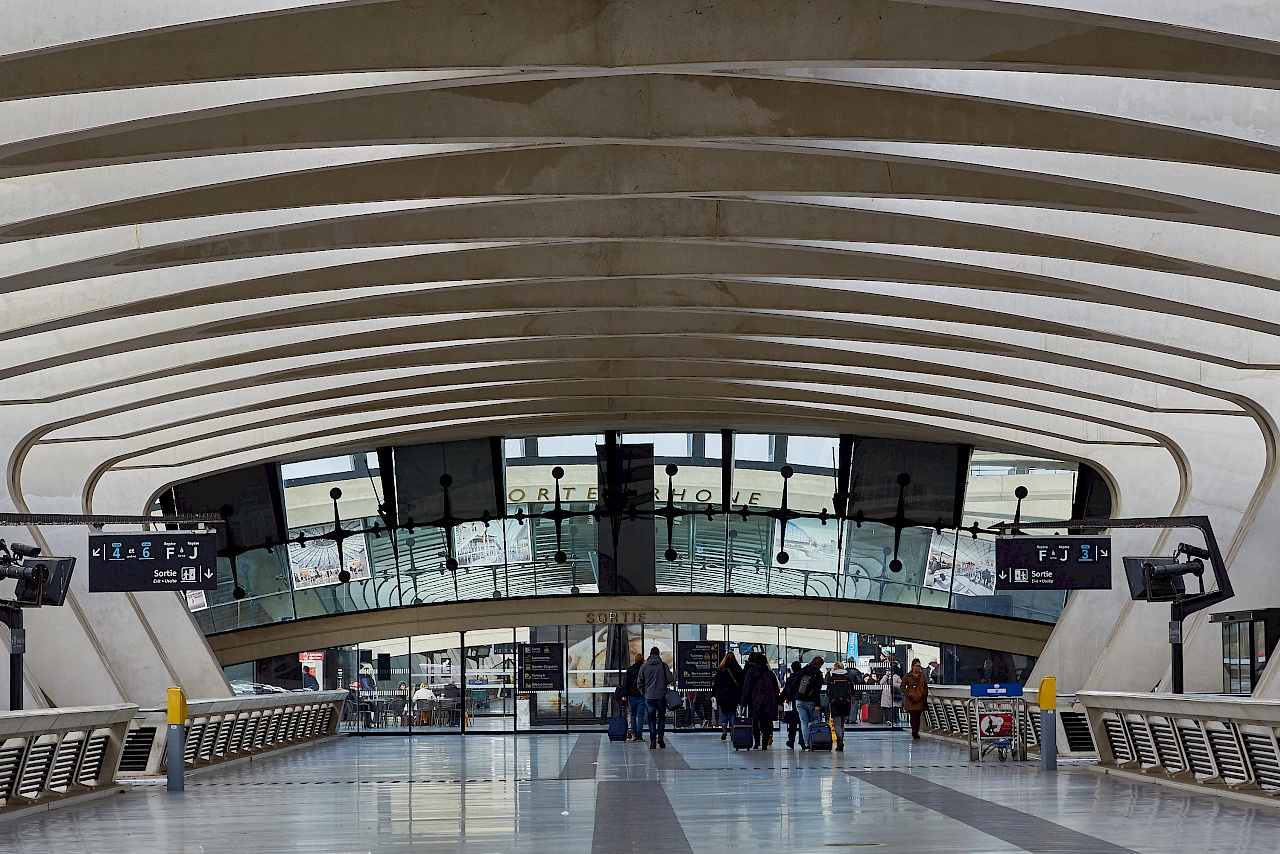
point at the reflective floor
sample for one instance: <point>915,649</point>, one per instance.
<point>581,793</point>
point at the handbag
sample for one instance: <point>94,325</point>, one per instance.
<point>788,706</point>
<point>675,700</point>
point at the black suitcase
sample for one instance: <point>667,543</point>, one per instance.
<point>743,735</point>
<point>618,729</point>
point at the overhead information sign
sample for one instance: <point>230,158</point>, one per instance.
<point>1053,563</point>
<point>156,560</point>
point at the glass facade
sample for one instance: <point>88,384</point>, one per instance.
<point>698,549</point>
<point>471,682</point>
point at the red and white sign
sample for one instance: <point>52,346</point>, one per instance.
<point>312,662</point>
<point>996,725</point>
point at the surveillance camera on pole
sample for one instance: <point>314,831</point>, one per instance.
<point>41,581</point>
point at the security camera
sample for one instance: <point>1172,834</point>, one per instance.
<point>1172,568</point>
<point>24,550</point>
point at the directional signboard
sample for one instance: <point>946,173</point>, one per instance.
<point>1053,563</point>
<point>541,667</point>
<point>156,560</point>
<point>696,663</point>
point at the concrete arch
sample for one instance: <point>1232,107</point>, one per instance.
<point>1045,226</point>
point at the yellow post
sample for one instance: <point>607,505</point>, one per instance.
<point>1048,701</point>
<point>177,740</point>
<point>177,706</point>
<point>1048,697</point>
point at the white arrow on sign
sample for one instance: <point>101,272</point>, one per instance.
<point>208,573</point>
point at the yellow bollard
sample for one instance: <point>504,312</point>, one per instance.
<point>1048,702</point>
<point>1048,696</point>
<point>177,740</point>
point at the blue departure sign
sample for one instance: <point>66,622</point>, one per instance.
<point>1053,563</point>
<point>156,560</point>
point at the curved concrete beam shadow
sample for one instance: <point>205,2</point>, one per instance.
<point>926,624</point>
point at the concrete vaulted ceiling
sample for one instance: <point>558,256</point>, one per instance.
<point>267,230</point>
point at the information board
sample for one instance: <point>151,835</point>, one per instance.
<point>1053,563</point>
<point>541,667</point>
<point>1001,689</point>
<point>696,663</point>
<point>156,560</point>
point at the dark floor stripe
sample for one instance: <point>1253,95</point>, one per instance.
<point>1028,832</point>
<point>581,764</point>
<point>635,817</point>
<point>669,759</point>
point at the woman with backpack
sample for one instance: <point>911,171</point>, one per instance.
<point>760,690</point>
<point>839,701</point>
<point>727,689</point>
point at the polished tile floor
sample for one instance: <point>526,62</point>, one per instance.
<point>580,793</point>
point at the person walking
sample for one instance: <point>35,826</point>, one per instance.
<point>891,694</point>
<point>727,689</point>
<point>789,706</point>
<point>915,695</point>
<point>653,679</point>
<point>634,698</point>
<point>808,693</point>
<point>760,692</point>
<point>839,701</point>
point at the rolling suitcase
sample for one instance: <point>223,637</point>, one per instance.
<point>819,736</point>
<point>743,735</point>
<point>618,729</point>
<point>875,714</point>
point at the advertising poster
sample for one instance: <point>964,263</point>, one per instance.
<point>810,545</point>
<point>478,544</point>
<point>316,564</point>
<point>312,665</point>
<point>696,664</point>
<point>961,564</point>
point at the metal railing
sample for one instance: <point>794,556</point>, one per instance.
<point>48,755</point>
<point>224,729</point>
<point>948,713</point>
<point>1216,740</point>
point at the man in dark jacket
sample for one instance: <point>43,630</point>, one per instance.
<point>653,679</point>
<point>808,688</point>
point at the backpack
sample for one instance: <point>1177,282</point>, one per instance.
<point>803,685</point>
<point>840,694</point>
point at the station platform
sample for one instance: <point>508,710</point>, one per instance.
<point>581,793</point>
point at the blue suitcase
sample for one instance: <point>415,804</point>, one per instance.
<point>743,735</point>
<point>819,736</point>
<point>618,729</point>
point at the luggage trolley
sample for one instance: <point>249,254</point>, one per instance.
<point>997,718</point>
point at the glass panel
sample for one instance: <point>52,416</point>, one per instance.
<point>317,468</point>
<point>438,699</point>
<point>753,447</point>
<point>670,445</point>
<point>814,451</point>
<point>569,446</point>
<point>490,691</point>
